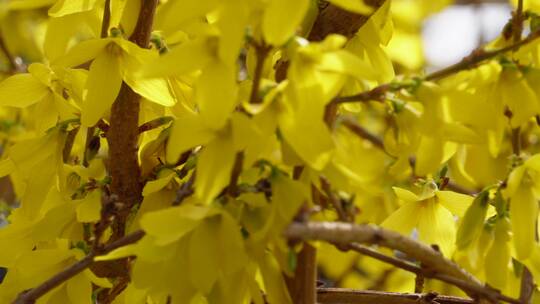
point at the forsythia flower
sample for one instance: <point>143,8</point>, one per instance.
<point>431,213</point>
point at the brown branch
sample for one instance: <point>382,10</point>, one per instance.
<point>124,132</point>
<point>261,52</point>
<point>302,286</point>
<point>419,271</point>
<point>30,296</point>
<point>335,20</point>
<point>360,131</point>
<point>330,20</point>
<point>352,296</point>
<point>68,145</point>
<point>517,22</point>
<point>376,94</point>
<point>232,189</point>
<point>516,141</point>
<point>419,281</point>
<point>345,234</point>
<point>106,19</point>
<point>334,200</point>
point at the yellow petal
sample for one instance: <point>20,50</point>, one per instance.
<point>404,219</point>
<point>154,89</point>
<point>288,195</point>
<point>273,280</point>
<point>89,210</point>
<point>21,90</point>
<point>232,252</point>
<point>533,162</point>
<point>45,114</point>
<point>355,6</point>
<point>429,155</point>
<point>519,97</point>
<point>122,252</point>
<point>6,167</point>
<point>185,58</point>
<point>498,256</point>
<point>344,62</point>
<point>101,282</point>
<point>25,4</point>
<point>436,225</point>
<point>281,19</point>
<point>514,181</point>
<point>405,195</point>
<point>215,93</point>
<point>158,184</point>
<point>306,132</point>
<point>66,7</point>
<point>82,52</point>
<point>523,216</point>
<point>473,221</point>
<point>59,33</point>
<point>204,256</point>
<point>79,289</point>
<point>214,168</point>
<point>103,84</point>
<point>168,225</point>
<point>533,262</point>
<point>187,131</point>
<point>457,203</point>
<point>172,14</point>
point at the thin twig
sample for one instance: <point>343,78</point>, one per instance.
<point>30,296</point>
<point>419,281</point>
<point>261,51</point>
<point>68,145</point>
<point>517,22</point>
<point>334,199</point>
<point>477,56</point>
<point>517,29</point>
<point>516,141</point>
<point>357,129</point>
<point>185,190</point>
<point>106,19</point>
<point>232,189</point>
<point>419,271</point>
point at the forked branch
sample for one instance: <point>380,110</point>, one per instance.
<point>345,234</point>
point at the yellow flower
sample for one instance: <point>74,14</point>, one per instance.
<point>431,213</point>
<point>523,191</point>
<point>42,89</point>
<point>113,60</point>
